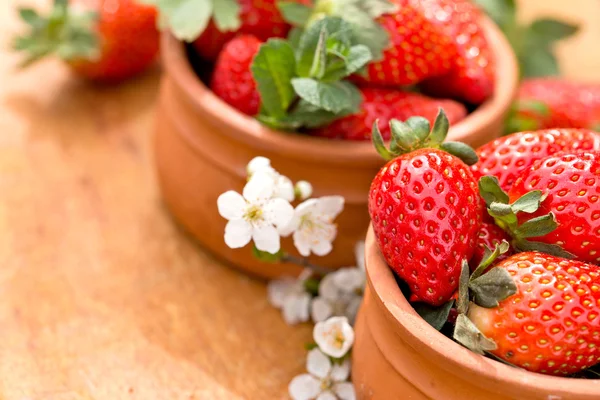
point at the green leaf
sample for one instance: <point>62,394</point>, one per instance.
<point>294,37</point>
<point>500,210</point>
<point>529,203</point>
<point>227,15</point>
<point>491,288</point>
<point>31,17</point>
<point>319,64</point>
<point>536,227</point>
<point>503,12</point>
<point>379,144</point>
<point>357,59</point>
<point>267,257</point>
<point>295,13</point>
<point>467,334</point>
<point>489,257</point>
<point>440,129</point>
<point>462,304</point>
<point>186,19</point>
<point>552,249</point>
<point>538,61</point>
<point>462,151</point>
<point>491,192</point>
<point>273,68</point>
<point>550,30</point>
<point>532,106</point>
<point>434,316</point>
<point>330,96</point>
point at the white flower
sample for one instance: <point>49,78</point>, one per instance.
<point>290,295</point>
<point>255,216</point>
<point>303,190</point>
<point>325,380</point>
<point>313,226</point>
<point>335,336</point>
<point>283,186</point>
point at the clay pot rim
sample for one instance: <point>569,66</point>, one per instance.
<point>250,131</point>
<point>407,323</point>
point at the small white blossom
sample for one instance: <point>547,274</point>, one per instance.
<point>325,380</point>
<point>283,186</point>
<point>335,336</point>
<point>290,296</point>
<point>257,164</point>
<point>313,226</point>
<point>303,190</point>
<point>255,215</point>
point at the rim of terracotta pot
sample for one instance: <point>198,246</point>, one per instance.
<point>249,130</point>
<point>420,335</point>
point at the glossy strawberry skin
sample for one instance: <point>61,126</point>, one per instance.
<point>425,214</point>
<point>472,75</point>
<point>418,49</point>
<point>572,185</point>
<point>568,104</point>
<point>507,157</point>
<point>489,235</point>
<point>232,79</point>
<point>552,324</point>
<point>128,36</point>
<point>260,18</point>
<point>385,105</point>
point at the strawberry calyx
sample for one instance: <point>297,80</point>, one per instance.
<point>188,19</point>
<point>416,133</point>
<point>506,216</point>
<point>66,32</point>
<point>525,116</point>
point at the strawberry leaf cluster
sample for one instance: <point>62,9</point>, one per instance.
<point>301,82</point>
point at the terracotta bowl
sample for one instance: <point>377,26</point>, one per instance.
<point>397,355</point>
<point>202,146</point>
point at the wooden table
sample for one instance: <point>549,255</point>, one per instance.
<point>101,295</point>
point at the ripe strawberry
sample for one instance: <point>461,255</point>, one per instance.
<point>571,183</point>
<point>424,209</point>
<point>489,235</point>
<point>418,49</point>
<point>232,79</point>
<point>385,105</point>
<point>554,103</point>
<point>551,324</point>
<point>101,40</point>
<point>472,75</point>
<point>507,157</point>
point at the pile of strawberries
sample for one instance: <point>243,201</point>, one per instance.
<point>504,241</point>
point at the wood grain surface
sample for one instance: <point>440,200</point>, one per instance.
<point>101,295</point>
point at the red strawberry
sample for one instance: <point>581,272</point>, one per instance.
<point>571,183</point>
<point>260,18</point>
<point>507,157</point>
<point>385,105</point>
<point>425,210</point>
<point>472,75</point>
<point>232,78</point>
<point>418,49</point>
<point>120,42</point>
<point>551,324</point>
<point>490,235</point>
<point>555,103</point>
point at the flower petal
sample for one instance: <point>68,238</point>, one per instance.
<point>295,308</point>
<point>320,309</point>
<point>278,212</point>
<point>284,188</point>
<point>328,288</point>
<point>335,336</point>
<point>330,206</point>
<point>304,189</point>
<point>266,238</point>
<point>304,387</point>
<point>306,207</point>
<point>345,391</point>
<point>238,233</point>
<point>290,228</point>
<point>258,164</point>
<point>352,309</point>
<point>231,205</point>
<point>302,243</point>
<point>340,372</point>
<point>278,289</point>
<point>326,396</point>
<point>318,364</point>
<point>259,188</point>
<point>321,247</point>
<point>350,280</point>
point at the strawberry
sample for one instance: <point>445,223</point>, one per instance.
<point>555,103</point>
<point>551,324</point>
<point>571,184</point>
<point>472,75</point>
<point>507,157</point>
<point>385,105</point>
<point>101,40</point>
<point>232,79</point>
<point>424,208</point>
<point>489,236</point>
